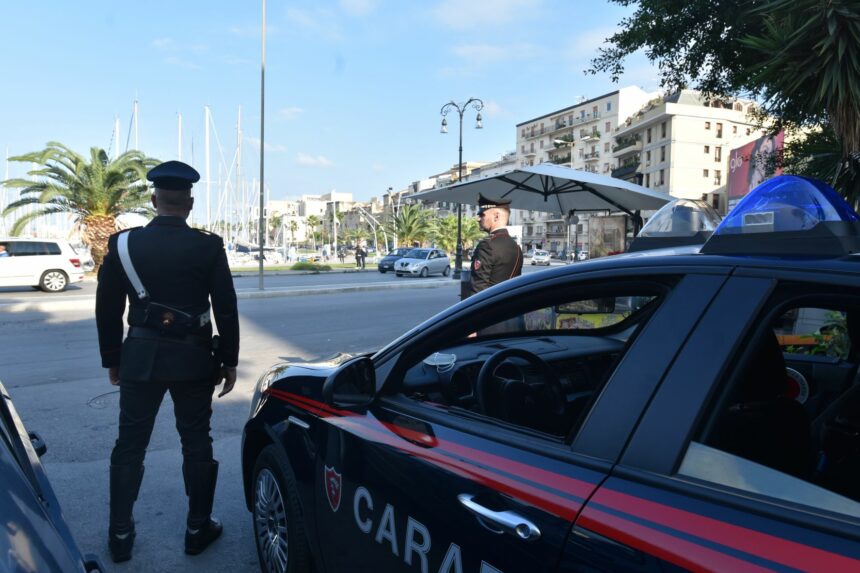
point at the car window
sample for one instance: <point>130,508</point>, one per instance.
<point>786,421</point>
<point>538,370</point>
<point>51,249</point>
<point>417,254</point>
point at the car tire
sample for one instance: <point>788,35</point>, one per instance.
<point>279,531</point>
<point>424,272</point>
<point>398,274</point>
<point>54,280</point>
<point>382,271</point>
<point>534,263</point>
<point>446,272</point>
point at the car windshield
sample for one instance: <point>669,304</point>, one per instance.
<point>540,253</point>
<point>417,254</point>
<point>398,252</point>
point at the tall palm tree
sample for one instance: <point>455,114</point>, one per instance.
<point>445,233</point>
<point>313,223</point>
<point>294,226</point>
<point>95,190</point>
<point>411,223</point>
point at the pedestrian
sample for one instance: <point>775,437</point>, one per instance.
<point>168,272</point>
<point>360,255</point>
<point>341,255</point>
<point>497,257</point>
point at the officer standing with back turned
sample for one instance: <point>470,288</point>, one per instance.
<point>168,272</point>
<point>497,258</point>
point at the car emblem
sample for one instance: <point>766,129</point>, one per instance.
<point>333,485</point>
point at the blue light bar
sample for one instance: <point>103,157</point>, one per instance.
<point>788,215</point>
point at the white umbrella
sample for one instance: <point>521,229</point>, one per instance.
<point>554,189</point>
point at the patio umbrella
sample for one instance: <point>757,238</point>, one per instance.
<point>554,189</point>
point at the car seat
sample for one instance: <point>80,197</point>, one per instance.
<point>761,423</point>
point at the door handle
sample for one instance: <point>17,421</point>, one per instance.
<point>506,521</point>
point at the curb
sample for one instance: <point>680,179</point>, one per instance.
<point>89,302</point>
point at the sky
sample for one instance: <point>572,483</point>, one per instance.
<point>353,87</point>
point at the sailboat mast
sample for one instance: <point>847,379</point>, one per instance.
<point>136,126</point>
<point>208,173</point>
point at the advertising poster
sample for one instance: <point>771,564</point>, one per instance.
<point>747,165</point>
<point>606,235</point>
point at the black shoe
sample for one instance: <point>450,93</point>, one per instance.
<point>197,540</point>
<point>120,544</point>
<point>124,486</point>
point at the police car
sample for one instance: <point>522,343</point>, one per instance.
<point>687,412</point>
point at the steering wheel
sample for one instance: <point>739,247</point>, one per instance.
<point>505,398</point>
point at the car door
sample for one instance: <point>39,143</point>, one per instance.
<point>15,270</point>
<point>412,485</point>
<point>712,481</point>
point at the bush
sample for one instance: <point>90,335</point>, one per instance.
<point>309,267</point>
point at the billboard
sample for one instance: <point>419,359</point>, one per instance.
<point>747,165</point>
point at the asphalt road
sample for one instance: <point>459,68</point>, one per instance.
<point>50,366</point>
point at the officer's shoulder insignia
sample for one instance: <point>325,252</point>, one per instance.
<point>204,231</point>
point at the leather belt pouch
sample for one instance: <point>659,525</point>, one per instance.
<point>170,320</point>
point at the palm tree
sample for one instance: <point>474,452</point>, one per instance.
<point>294,226</point>
<point>445,233</point>
<point>313,223</point>
<point>809,73</point>
<point>275,223</point>
<point>411,223</point>
<point>95,191</point>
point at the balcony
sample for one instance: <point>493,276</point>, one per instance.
<point>592,156</point>
<point>586,118</point>
<point>589,135</point>
<point>561,159</point>
<point>628,142</point>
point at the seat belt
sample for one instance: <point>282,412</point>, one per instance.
<point>128,267</point>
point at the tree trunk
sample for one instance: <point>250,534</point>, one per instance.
<point>98,228</point>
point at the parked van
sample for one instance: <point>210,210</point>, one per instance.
<point>50,265</point>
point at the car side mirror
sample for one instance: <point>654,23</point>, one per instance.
<point>352,386</point>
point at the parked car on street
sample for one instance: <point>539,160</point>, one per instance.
<point>423,263</point>
<point>386,263</point>
<point>541,258</point>
<point>630,413</point>
<point>48,264</point>
<point>36,537</point>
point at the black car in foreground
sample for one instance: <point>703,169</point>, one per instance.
<point>691,412</point>
<point>35,536</point>
<point>386,263</point>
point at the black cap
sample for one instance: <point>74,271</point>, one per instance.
<point>484,203</point>
<point>173,176</point>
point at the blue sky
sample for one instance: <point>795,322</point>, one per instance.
<point>353,87</point>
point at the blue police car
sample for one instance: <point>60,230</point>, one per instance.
<point>636,413</point>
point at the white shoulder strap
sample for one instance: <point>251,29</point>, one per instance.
<point>125,259</point>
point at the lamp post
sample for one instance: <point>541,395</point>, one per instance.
<point>461,108</point>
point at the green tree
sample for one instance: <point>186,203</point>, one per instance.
<point>293,226</point>
<point>313,222</point>
<point>411,223</point>
<point>275,222</point>
<point>96,190</point>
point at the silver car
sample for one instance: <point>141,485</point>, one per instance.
<point>423,262</point>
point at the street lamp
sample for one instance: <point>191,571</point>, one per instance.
<point>478,105</point>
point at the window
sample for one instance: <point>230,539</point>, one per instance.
<point>595,111</point>
<point>662,153</point>
<point>748,131</point>
<point>532,147</point>
<point>32,248</point>
<point>707,149</point>
<point>719,130</point>
<point>738,106</point>
<point>734,130</point>
<point>541,143</point>
<point>607,127</point>
<point>663,129</point>
<point>648,136</point>
<point>705,172</point>
<point>573,339</point>
<point>718,154</point>
<point>609,106</point>
<point>718,177</point>
<point>648,157</point>
<point>524,132</point>
<point>606,146</point>
<point>783,422</point>
<point>662,177</point>
<point>707,125</point>
<point>523,148</point>
<point>647,180</point>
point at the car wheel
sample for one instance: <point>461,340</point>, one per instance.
<point>446,272</point>
<point>382,271</point>
<point>424,272</point>
<point>54,281</point>
<point>278,528</point>
<point>533,263</point>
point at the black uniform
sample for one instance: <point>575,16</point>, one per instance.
<point>497,258</point>
<point>169,348</point>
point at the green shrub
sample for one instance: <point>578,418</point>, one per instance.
<point>309,267</point>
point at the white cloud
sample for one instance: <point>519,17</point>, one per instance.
<point>162,43</point>
<point>460,15</point>
<point>583,47</point>
<point>319,23</point>
<point>492,109</point>
<point>270,147</point>
<point>313,161</point>
<point>289,113</point>
<point>358,7</point>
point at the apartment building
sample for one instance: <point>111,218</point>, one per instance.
<point>680,144</point>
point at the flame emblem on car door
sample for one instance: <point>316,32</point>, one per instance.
<point>333,487</point>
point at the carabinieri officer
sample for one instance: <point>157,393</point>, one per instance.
<point>168,271</point>
<point>497,258</point>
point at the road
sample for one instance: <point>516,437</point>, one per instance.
<point>51,369</point>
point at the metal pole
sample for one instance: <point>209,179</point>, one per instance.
<point>458,261</point>
<point>208,171</point>
<point>262,140</point>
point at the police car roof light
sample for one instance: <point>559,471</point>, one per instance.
<point>788,215</point>
<point>678,223</point>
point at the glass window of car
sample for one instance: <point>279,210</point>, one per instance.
<point>786,423</point>
<point>539,368</point>
<point>417,254</point>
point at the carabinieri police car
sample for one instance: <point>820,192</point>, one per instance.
<point>636,413</point>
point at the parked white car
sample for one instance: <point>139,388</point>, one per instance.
<point>48,264</point>
<point>541,258</point>
<point>423,262</point>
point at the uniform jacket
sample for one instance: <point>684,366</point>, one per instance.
<point>180,267</point>
<point>497,258</point>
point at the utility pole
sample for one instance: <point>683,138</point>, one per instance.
<point>262,139</point>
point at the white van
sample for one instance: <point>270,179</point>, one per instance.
<point>48,264</point>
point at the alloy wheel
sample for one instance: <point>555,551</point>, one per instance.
<point>270,522</point>
<point>54,281</point>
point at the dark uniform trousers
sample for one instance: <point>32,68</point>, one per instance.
<point>181,268</point>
